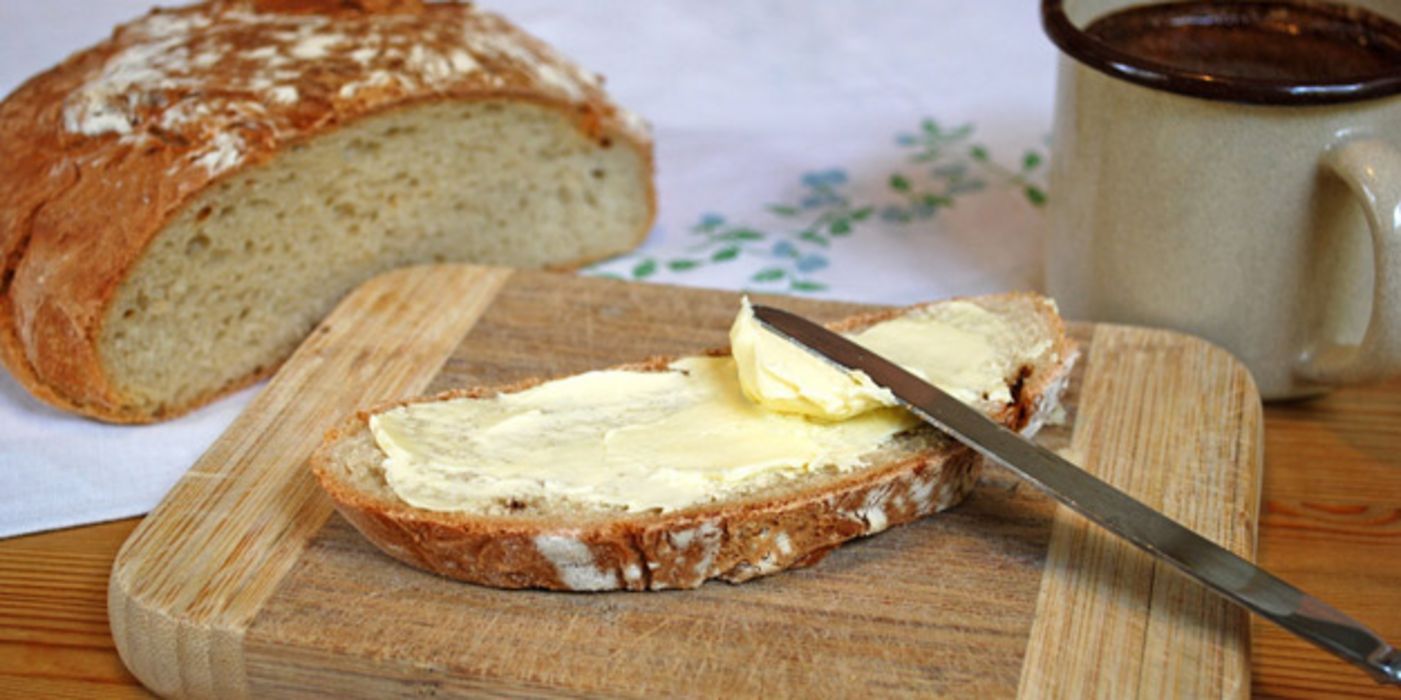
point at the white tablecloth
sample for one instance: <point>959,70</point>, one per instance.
<point>871,150</point>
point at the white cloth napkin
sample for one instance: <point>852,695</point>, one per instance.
<point>870,150</point>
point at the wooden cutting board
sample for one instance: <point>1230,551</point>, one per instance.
<point>243,583</point>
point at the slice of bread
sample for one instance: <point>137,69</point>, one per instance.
<point>555,543</point>
<point>185,200</point>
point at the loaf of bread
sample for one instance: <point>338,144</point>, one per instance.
<point>543,537</point>
<point>184,201</point>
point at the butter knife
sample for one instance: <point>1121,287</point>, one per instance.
<point>1215,567</point>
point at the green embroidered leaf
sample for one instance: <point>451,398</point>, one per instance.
<point>1035,195</point>
<point>644,269</point>
<point>683,264</point>
<point>807,286</point>
<point>769,274</point>
<point>899,183</point>
<point>862,213</point>
<point>783,210</point>
<point>841,227</point>
<point>1031,160</point>
<point>978,153</point>
<point>812,236</point>
<point>935,201</point>
<point>742,234</point>
<point>929,126</point>
<point>726,253</point>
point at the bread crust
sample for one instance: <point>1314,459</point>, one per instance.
<point>734,540</point>
<point>82,203</point>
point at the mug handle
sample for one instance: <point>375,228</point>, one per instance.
<point>1372,170</point>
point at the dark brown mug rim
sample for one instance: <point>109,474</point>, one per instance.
<point>1106,59</point>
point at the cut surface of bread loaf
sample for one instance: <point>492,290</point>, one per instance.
<point>546,539</point>
<point>187,199</point>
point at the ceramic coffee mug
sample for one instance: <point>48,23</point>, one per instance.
<point>1263,216</point>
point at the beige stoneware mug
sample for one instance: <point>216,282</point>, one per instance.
<point>1263,216</point>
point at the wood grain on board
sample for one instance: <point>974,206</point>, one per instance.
<point>1332,503</point>
<point>240,585</point>
<point>1169,451</point>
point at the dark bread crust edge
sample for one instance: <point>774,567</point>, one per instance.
<point>734,540</point>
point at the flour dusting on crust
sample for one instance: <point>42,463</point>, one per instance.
<point>575,563</point>
<point>217,79</point>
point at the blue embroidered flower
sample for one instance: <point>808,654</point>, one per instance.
<point>944,163</point>
<point>811,262</point>
<point>711,220</point>
<point>831,177</point>
<point>785,249</point>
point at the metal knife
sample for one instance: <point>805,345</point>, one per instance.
<point>1229,575</point>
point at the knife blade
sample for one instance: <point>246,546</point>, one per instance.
<point>1217,568</point>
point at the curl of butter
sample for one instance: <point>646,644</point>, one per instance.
<point>782,376</point>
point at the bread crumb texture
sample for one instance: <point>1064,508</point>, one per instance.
<point>192,195</point>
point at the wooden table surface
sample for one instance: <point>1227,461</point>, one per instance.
<point>1330,523</point>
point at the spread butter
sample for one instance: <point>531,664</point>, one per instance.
<point>698,430</point>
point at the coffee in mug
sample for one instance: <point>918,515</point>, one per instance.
<point>1283,42</point>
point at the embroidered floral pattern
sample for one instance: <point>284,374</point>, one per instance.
<point>789,245</point>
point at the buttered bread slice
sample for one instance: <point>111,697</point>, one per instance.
<point>671,472</point>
